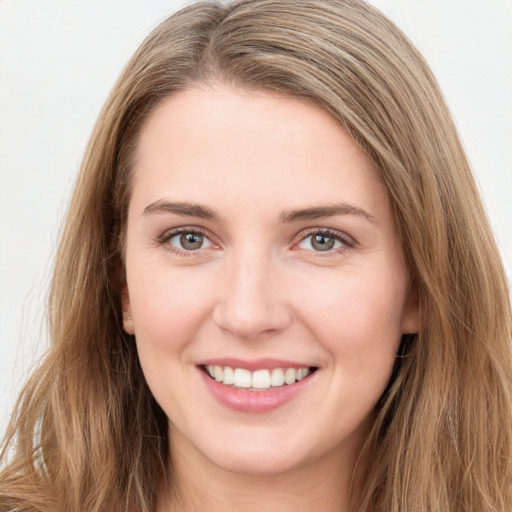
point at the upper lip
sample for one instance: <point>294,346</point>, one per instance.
<point>253,364</point>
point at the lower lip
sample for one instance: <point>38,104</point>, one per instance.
<point>254,402</point>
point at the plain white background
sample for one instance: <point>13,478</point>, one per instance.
<point>58,61</point>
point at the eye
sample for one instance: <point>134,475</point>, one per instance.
<point>188,240</point>
<point>324,241</point>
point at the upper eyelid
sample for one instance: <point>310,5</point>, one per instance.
<point>165,238</point>
<point>349,240</point>
<point>169,233</point>
<point>302,235</point>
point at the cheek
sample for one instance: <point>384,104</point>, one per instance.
<point>357,315</point>
<point>167,313</point>
<point>356,318</point>
<point>169,309</point>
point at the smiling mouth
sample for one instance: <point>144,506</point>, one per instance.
<point>258,380</point>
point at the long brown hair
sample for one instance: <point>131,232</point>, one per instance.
<point>87,434</point>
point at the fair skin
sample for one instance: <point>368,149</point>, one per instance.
<point>260,238</point>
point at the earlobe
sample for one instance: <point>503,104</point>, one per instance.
<point>127,312</point>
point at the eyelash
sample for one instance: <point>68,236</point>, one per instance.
<point>347,241</point>
<point>169,235</point>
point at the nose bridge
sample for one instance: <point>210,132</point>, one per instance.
<point>251,301</point>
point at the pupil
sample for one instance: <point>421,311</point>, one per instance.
<point>191,241</point>
<point>322,242</point>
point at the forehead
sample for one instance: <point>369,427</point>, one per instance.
<point>228,145</point>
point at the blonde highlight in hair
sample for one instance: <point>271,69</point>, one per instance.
<point>87,434</point>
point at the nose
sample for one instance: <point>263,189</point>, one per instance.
<point>252,300</point>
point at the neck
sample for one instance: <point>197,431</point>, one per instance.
<point>200,485</point>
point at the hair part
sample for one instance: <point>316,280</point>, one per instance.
<point>88,434</point>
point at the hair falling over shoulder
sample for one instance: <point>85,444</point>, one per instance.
<point>87,435</point>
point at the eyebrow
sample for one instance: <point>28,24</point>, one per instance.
<point>185,209</point>
<point>203,212</point>
<point>321,212</point>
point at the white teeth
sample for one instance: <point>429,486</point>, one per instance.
<point>242,378</point>
<point>289,375</point>
<point>277,378</point>
<point>261,379</point>
<point>257,380</point>
<point>229,375</point>
<point>301,373</point>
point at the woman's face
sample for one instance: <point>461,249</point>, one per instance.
<point>261,249</point>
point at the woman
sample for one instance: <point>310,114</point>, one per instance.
<point>276,287</point>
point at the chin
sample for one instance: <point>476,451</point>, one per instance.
<point>252,452</point>
<point>260,463</point>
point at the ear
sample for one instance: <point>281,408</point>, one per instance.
<point>412,321</point>
<point>127,311</point>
